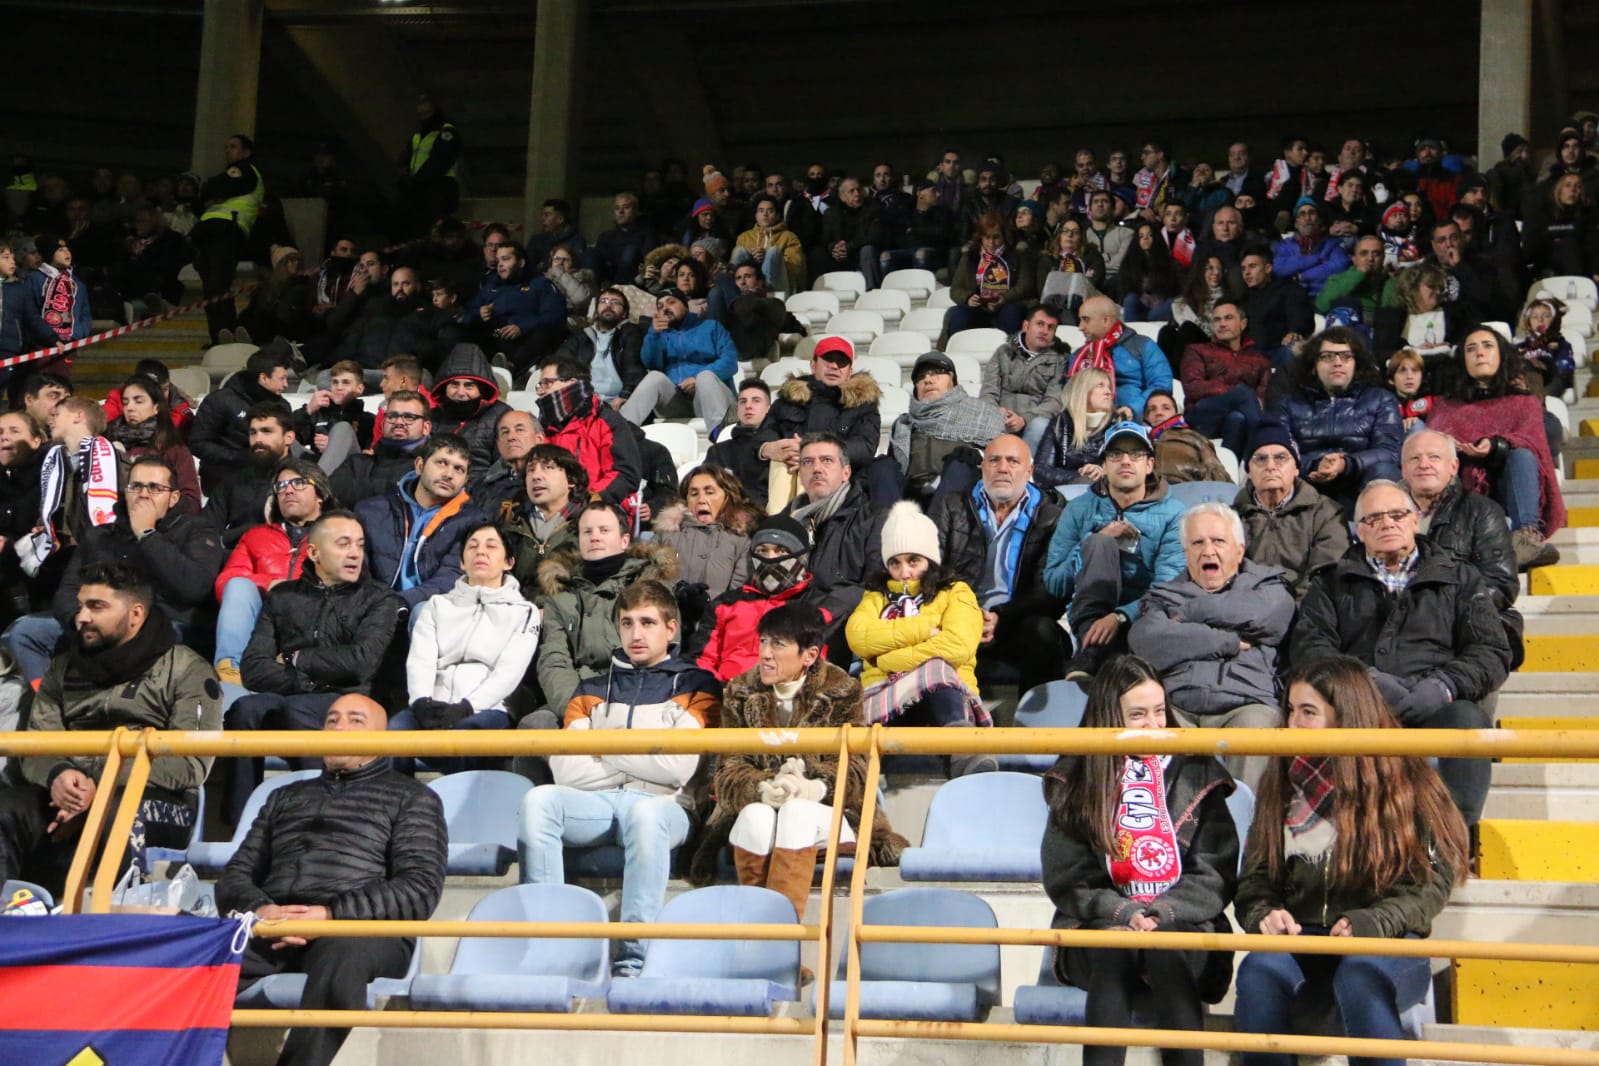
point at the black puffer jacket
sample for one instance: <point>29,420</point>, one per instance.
<point>19,496</point>
<point>845,550</point>
<point>220,436</point>
<point>239,503</point>
<point>626,353</point>
<point>804,405</point>
<point>735,452</point>
<point>368,844</point>
<point>475,421</point>
<point>365,323</point>
<point>1363,424</point>
<point>182,557</point>
<point>1472,529</point>
<point>964,542</point>
<point>331,638</point>
<point>1445,624</point>
<point>361,476</point>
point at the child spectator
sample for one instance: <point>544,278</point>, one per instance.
<point>1550,362</point>
<point>339,420</point>
<point>1407,376</point>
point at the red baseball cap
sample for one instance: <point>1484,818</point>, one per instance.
<point>836,350</point>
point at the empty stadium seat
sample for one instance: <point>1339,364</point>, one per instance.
<point>1188,493</point>
<point>925,982</point>
<point>940,300</point>
<point>983,827</point>
<point>927,321</point>
<point>847,285</point>
<point>904,347</point>
<point>536,974</point>
<point>502,378</point>
<point>482,813</point>
<point>192,381</point>
<point>1056,705</point>
<point>222,360</point>
<point>805,347</point>
<point>677,438</point>
<point>371,404</point>
<point>1571,288</point>
<point>745,978</point>
<point>1072,337</point>
<point>282,991</point>
<point>780,371</point>
<point>892,304</point>
<point>526,400</point>
<point>812,308</point>
<point>968,371</point>
<point>861,327</point>
<point>1177,393</point>
<point>1145,329</point>
<point>297,400</point>
<point>210,856</point>
<point>1557,407</point>
<point>977,343</point>
<point>1501,328</point>
<point>894,402</point>
<point>1229,461</point>
<point>1318,321</point>
<point>884,371</point>
<point>917,284</point>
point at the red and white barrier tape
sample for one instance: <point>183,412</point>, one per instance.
<point>96,338</point>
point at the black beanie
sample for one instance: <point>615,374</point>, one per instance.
<point>1510,143</point>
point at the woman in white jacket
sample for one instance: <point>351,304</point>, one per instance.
<point>470,648</point>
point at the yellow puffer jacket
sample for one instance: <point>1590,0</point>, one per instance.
<point>891,646</point>
<point>756,241</point>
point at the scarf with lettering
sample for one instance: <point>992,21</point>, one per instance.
<point>97,466</point>
<point>58,300</point>
<point>1147,186</point>
<point>1148,860</point>
<point>1310,801</point>
<point>1282,174</point>
<point>1098,354</point>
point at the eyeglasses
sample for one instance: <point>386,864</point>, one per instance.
<point>1377,518</point>
<point>1270,460</point>
<point>546,384</point>
<point>403,417</point>
<point>291,483</point>
<point>1335,357</point>
<point>147,488</point>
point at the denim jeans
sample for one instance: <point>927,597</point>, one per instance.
<point>1371,991</point>
<point>1516,488</point>
<point>492,718</point>
<point>32,641</point>
<point>1007,317</point>
<point>773,269</point>
<point>1033,432</point>
<point>647,826</point>
<point>241,604</point>
<point>922,257</point>
<point>1232,416</point>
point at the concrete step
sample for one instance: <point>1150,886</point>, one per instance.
<point>1494,1036</point>
<point>1556,792</point>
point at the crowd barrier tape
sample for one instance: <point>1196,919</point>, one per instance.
<point>96,338</point>
<point>141,746</point>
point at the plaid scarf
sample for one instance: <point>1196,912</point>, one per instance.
<point>1311,799</point>
<point>953,416</point>
<point>1097,354</point>
<point>559,406</point>
<point>886,700</point>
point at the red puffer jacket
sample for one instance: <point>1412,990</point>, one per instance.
<point>725,642</point>
<point>263,555</point>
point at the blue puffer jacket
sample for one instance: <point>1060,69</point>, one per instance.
<point>695,345</point>
<point>1311,269</point>
<point>527,302</point>
<point>1363,423</point>
<point>435,554</point>
<point>1158,557</point>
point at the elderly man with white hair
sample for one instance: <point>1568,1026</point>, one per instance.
<point>1213,633</point>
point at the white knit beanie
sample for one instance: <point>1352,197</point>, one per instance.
<point>908,531</point>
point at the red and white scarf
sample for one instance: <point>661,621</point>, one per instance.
<point>1147,860</point>
<point>1149,185</point>
<point>1182,246</point>
<point>1281,173</point>
<point>1097,354</point>
<point>59,298</point>
<point>993,275</point>
<point>97,468</point>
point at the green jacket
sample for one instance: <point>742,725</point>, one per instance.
<point>1353,284</point>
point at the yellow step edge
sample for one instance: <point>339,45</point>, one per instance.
<point>1558,995</point>
<point>1564,580</point>
<point>1589,427</point>
<point>1524,850</point>
<point>1562,653</point>
<point>1582,517</point>
<point>1585,468</point>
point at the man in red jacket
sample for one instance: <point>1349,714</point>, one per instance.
<point>267,555</point>
<point>1224,380</point>
<point>574,418</point>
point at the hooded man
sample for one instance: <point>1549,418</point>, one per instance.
<point>466,402</point>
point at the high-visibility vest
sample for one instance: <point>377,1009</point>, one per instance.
<point>422,147</point>
<point>241,209</point>
<point>23,183</point>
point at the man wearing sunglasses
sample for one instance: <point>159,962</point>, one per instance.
<point>1426,626</point>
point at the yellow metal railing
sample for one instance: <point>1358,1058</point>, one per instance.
<point>129,756</point>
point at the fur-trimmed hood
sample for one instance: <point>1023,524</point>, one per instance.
<point>740,518</point>
<point>661,253</point>
<point>645,560</point>
<point>858,390</point>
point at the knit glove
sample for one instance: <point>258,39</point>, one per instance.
<point>1394,691</point>
<point>776,791</point>
<point>793,779</point>
<point>437,714</point>
<point>1427,697</point>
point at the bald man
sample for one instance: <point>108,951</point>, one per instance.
<point>996,538</point>
<point>359,842</point>
<point>1136,363</point>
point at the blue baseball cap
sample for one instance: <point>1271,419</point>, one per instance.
<point>1127,429</point>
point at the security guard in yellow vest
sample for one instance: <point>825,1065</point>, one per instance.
<point>233,201</point>
<point>430,162</point>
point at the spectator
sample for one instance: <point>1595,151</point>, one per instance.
<point>1225,379</point>
<point>414,532</point>
<point>145,427</point>
<point>575,284</point>
<point>1311,255</point>
<point>1155,182</point>
<point>556,230</point>
<point>179,405</point>
<point>737,449</point>
<point>1361,286</point>
<point>1135,363</point>
<point>467,403</point>
<point>152,257</point>
<point>1075,438</point>
<point>845,528</point>
<point>60,301</point>
<point>233,201</point>
<point>917,630</point>
<point>1398,235</point>
<point>407,424</point>
<point>42,391</point>
<point>1346,425</point>
<point>1104,235</point>
<point>1422,321</point>
<point>1226,239</point>
<point>776,813</point>
<point>16,310</point>
<point>1022,377</point>
<point>1111,545</point>
<point>1279,310</point>
<point>1349,213</point>
<point>22,442</point>
<point>1290,525</point>
<point>317,638</point>
<point>690,365</point>
<point>280,306</point>
<point>1433,174</point>
<point>359,842</point>
<point>79,484</point>
<point>1321,852</point>
<point>1181,454</point>
<point>1097,815</point>
<point>1498,428</point>
<point>610,347</point>
<point>1067,253</point>
<point>431,331</point>
<point>831,398</point>
<point>517,312</point>
<point>710,531</point>
<point>617,253</point>
<point>1407,377</point>
<point>772,248</point>
<point>121,668</point>
<point>1214,633</point>
<point>637,801</point>
<point>1551,365</point>
<point>1561,235</point>
<point>330,280</point>
<point>922,237</point>
<point>452,259</point>
<point>337,418</point>
<point>220,438</point>
<point>987,195</point>
<point>1206,286</point>
<point>1149,279</point>
<point>541,518</point>
<point>1287,183</point>
<point>429,189</point>
<point>470,647</point>
<point>516,434</point>
<point>994,280</point>
<point>1175,234</point>
<point>266,556</point>
<point>239,503</point>
<point>1512,178</point>
<point>573,418</point>
<point>1427,627</point>
<point>365,324</point>
<point>1474,280</point>
<point>934,447</point>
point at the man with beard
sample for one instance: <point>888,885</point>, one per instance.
<point>690,365</point>
<point>122,668</point>
<point>1309,255</point>
<point>466,402</point>
<point>574,418</point>
<point>408,423</point>
<point>414,532</point>
<point>21,454</point>
<point>364,321</point>
<point>609,347</point>
<point>517,313</point>
<point>1103,232</point>
<point>220,435</point>
<point>239,502</point>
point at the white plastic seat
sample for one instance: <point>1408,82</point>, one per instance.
<point>861,327</point>
<point>1072,337</point>
<point>977,343</point>
<point>783,369</point>
<point>884,371</point>
<point>524,400</point>
<point>371,404</point>
<point>1572,288</point>
<point>1557,407</point>
<point>892,304</point>
<point>847,285</point>
<point>221,360</point>
<point>928,321</point>
<point>968,371</point>
<point>1145,329</point>
<point>812,308</point>
<point>675,437</point>
<point>940,299</point>
<point>1177,393</point>
<point>191,380</point>
<point>903,346</point>
<point>1502,328</point>
<point>917,284</point>
<point>1318,321</point>
<point>805,347</point>
<point>894,402</point>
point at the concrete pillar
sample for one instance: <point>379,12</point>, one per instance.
<point>559,32</point>
<point>230,75</point>
<point>1504,75</point>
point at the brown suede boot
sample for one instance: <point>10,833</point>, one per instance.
<point>791,873</point>
<point>751,867</point>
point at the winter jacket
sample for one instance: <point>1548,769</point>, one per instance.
<point>1302,890</point>
<point>933,228</point>
<point>804,405</point>
<point>691,346</point>
<point>429,333</point>
<point>1445,625</point>
<point>606,444</point>
<point>1141,368</point>
<point>540,245</point>
<point>672,694</point>
<point>1059,460</point>
<point>181,555</point>
<point>474,421</point>
<point>889,647</point>
<point>178,691</point>
<point>498,486</point>
<point>756,322</point>
<point>353,412</point>
<point>311,637</point>
<point>436,550</point>
<point>1192,637</point>
<point>1023,263</point>
<point>1023,382</point>
<point>240,503</point>
<point>858,227</point>
<point>1278,308</point>
<point>845,550</point>
<point>580,616</point>
<point>963,541</point>
<point>529,303</point>
<point>263,555</point>
<point>364,324</point>
<point>714,554</point>
<point>45,334</point>
<point>280,309</point>
<point>362,476</point>
<point>757,242</point>
<point>1309,267</point>
<point>1112,242</point>
<point>626,343</point>
<point>220,437</point>
<point>19,317</point>
<point>828,699</point>
<point>736,452</point>
<point>1158,556</point>
<point>1353,286</point>
<point>472,643</point>
<point>366,843</point>
<point>190,500</point>
<point>1211,369</point>
<point>19,496</point>
<point>1471,529</point>
<point>726,641</point>
<point>1077,875</point>
<point>529,550</point>
<point>1363,423</point>
<point>1561,241</point>
<point>1183,454</point>
<point>1305,534</point>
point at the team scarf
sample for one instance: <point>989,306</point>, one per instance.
<point>58,300</point>
<point>1098,354</point>
<point>1147,861</point>
<point>1148,185</point>
<point>1311,800</point>
<point>97,458</point>
<point>1071,264</point>
<point>1282,174</point>
<point>1174,422</point>
<point>1024,521</point>
<point>1182,246</point>
<point>993,275</point>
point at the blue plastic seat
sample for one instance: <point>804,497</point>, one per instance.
<point>925,982</point>
<point>210,856</point>
<point>482,813</point>
<point>1055,705</point>
<point>12,886</point>
<point>523,973</point>
<point>283,991</point>
<point>983,827</point>
<point>1050,1002</point>
<point>154,855</point>
<point>1188,493</point>
<point>734,977</point>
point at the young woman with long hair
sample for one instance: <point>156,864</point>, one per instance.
<point>1069,452</point>
<point>145,426</point>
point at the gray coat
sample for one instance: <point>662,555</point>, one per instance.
<point>1191,636</point>
<point>1029,386</point>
